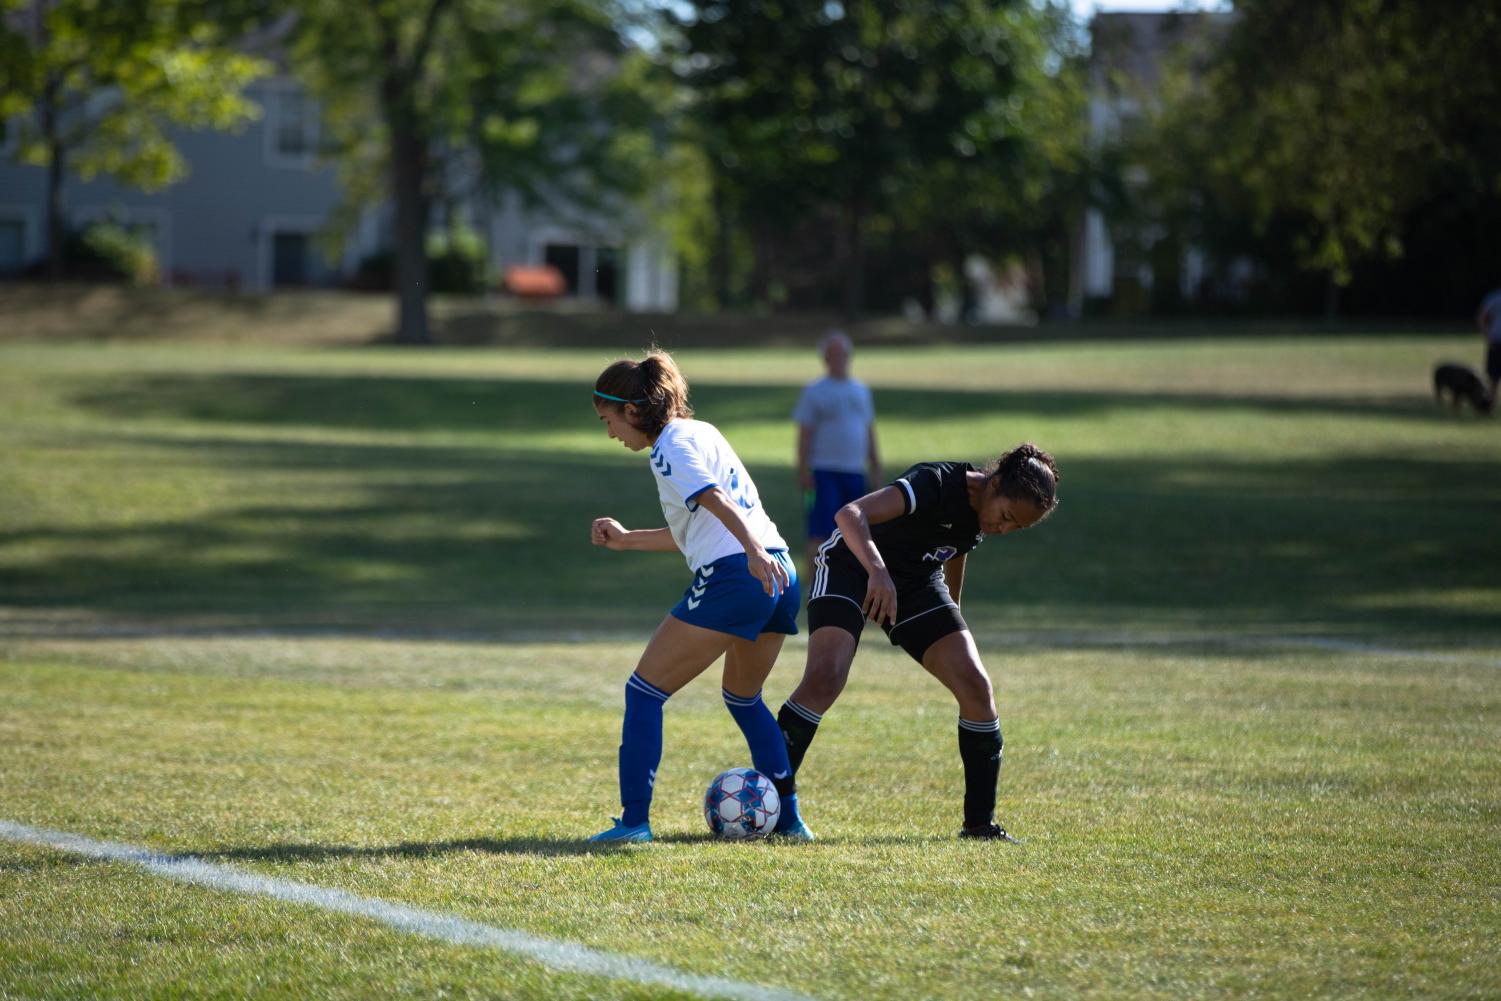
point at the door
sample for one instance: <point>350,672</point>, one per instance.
<point>289,259</point>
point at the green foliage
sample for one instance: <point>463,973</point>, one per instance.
<point>436,103</point>
<point>538,98</point>
<point>1321,131</point>
<point>111,251</point>
<point>16,65</point>
<point>100,82</point>
<point>929,130</point>
<point>1028,194</point>
<point>457,261</point>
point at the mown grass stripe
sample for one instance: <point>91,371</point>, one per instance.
<point>566,957</point>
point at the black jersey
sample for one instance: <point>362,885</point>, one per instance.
<point>937,525</point>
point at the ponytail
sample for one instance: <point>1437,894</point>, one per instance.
<point>654,385</point>
<point>1026,473</point>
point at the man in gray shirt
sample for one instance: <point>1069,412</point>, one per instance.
<point>1488,319</point>
<point>836,440</point>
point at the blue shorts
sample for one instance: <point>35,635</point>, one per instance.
<point>831,491</point>
<point>725,597</point>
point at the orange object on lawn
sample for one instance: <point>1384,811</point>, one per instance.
<point>535,281</point>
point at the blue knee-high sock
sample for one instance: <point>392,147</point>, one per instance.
<point>768,749</point>
<point>640,748</point>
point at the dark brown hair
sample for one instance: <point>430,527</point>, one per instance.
<point>654,385</point>
<point>1026,473</point>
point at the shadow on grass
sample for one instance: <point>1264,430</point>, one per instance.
<point>75,311</point>
<point>508,846</point>
<point>463,324</point>
<point>489,541</point>
<point>509,407</point>
<point>407,849</point>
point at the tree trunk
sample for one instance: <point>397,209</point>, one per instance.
<point>763,273</point>
<point>1331,299</point>
<point>721,259</point>
<point>408,173</point>
<point>969,305</point>
<point>56,164</point>
<point>854,274</point>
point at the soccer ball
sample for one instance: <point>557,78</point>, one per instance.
<point>742,803</point>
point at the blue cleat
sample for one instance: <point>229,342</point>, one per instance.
<point>797,831</point>
<point>620,832</point>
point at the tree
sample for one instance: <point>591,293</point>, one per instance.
<point>1328,126</point>
<point>833,110</point>
<point>445,99</point>
<point>1026,191</point>
<point>93,86</point>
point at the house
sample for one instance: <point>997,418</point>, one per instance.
<point>250,212</point>
<point>1128,52</point>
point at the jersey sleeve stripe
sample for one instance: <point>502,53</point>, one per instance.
<point>692,496</point>
<point>911,497</point>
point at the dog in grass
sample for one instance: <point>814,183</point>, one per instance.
<point>1461,382</point>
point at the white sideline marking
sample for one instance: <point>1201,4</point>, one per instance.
<point>556,954</point>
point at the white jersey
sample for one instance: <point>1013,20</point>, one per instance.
<point>689,458</point>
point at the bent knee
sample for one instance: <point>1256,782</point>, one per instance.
<point>827,674</point>
<point>975,694</point>
<point>823,680</point>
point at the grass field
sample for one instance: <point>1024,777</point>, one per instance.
<point>330,614</point>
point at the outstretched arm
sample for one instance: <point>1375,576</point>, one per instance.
<point>612,534</point>
<point>854,521</point>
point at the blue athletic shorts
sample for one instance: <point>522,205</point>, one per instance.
<point>726,598</point>
<point>831,491</point>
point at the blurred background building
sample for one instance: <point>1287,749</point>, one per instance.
<point>251,209</point>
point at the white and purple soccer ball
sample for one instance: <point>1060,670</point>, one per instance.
<point>742,803</point>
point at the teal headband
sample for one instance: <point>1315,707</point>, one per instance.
<point>617,399</point>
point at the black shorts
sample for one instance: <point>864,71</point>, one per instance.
<point>1493,360</point>
<point>925,611</point>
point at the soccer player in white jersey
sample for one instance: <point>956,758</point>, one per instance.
<point>743,600</point>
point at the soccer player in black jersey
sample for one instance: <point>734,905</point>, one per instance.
<point>897,559</point>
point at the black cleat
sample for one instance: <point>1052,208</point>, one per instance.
<point>988,832</point>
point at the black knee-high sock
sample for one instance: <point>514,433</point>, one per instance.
<point>799,726</point>
<point>980,750</point>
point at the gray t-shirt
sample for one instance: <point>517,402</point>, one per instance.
<point>840,412</point>
<point>1492,306</point>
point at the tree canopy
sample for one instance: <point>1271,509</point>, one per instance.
<point>1333,134</point>
<point>93,87</point>
<point>448,99</point>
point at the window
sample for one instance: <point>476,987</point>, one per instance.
<point>291,126</point>
<point>295,132</point>
<point>565,257</point>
